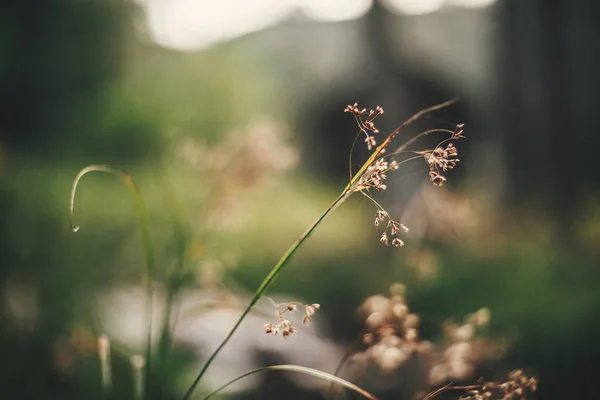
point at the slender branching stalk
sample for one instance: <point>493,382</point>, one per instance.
<point>302,370</point>
<point>353,186</point>
<point>148,247</point>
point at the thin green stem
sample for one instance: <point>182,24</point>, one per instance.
<point>352,152</point>
<point>303,370</point>
<point>150,270</point>
<point>419,136</point>
<point>373,200</point>
<point>266,283</point>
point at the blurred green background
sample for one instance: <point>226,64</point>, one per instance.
<point>229,116</point>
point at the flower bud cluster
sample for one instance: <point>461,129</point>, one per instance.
<point>443,159</point>
<point>366,124</point>
<point>281,324</point>
<point>394,227</point>
<point>375,175</point>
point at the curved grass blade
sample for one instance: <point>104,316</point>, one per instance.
<point>150,270</point>
<point>303,370</point>
<point>139,205</point>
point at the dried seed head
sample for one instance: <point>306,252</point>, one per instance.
<point>458,131</point>
<point>384,239</point>
<point>289,331</point>
<point>352,108</point>
<point>440,159</point>
<point>397,242</point>
<point>394,227</point>
<point>309,312</point>
<point>436,178</point>
<point>284,325</point>
<point>371,142</point>
<point>270,328</point>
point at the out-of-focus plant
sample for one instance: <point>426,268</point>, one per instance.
<point>390,342</point>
